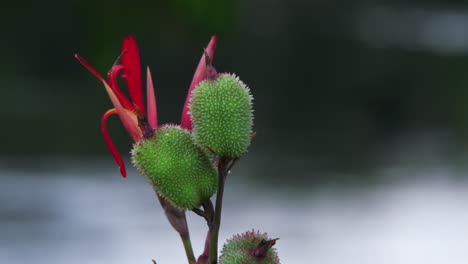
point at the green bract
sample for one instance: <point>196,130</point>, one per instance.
<point>241,249</point>
<point>221,111</point>
<point>179,170</point>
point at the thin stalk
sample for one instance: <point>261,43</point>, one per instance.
<point>203,258</point>
<point>188,249</point>
<point>214,226</point>
<point>178,221</point>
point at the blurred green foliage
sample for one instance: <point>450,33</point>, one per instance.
<point>319,89</point>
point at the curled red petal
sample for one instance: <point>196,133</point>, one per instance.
<point>200,75</point>
<point>115,153</point>
<point>132,68</point>
<point>87,66</point>
<point>129,118</point>
<point>151,101</point>
<point>112,77</point>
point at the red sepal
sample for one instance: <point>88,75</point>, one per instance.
<point>151,101</point>
<point>132,69</point>
<point>200,75</point>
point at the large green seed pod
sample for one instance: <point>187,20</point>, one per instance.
<point>250,247</point>
<point>221,111</point>
<point>177,168</point>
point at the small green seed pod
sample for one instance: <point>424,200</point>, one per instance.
<point>250,247</point>
<point>221,111</point>
<point>177,168</point>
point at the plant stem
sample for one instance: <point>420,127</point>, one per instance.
<point>214,226</point>
<point>203,258</point>
<point>178,221</point>
<point>188,249</point>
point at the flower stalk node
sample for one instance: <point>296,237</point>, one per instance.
<point>143,124</point>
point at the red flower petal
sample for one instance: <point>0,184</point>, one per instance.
<point>115,153</point>
<point>112,77</point>
<point>200,75</point>
<point>132,68</point>
<point>87,66</point>
<point>151,101</point>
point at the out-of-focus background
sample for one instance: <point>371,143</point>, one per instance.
<point>361,114</point>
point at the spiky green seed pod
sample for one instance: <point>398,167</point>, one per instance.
<point>221,111</point>
<point>250,247</point>
<point>177,168</point>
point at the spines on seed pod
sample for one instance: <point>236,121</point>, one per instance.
<point>177,168</point>
<point>222,115</point>
<point>250,247</point>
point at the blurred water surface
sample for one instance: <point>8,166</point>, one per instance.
<point>93,216</point>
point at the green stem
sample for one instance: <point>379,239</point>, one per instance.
<point>178,221</point>
<point>214,226</point>
<point>188,249</point>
